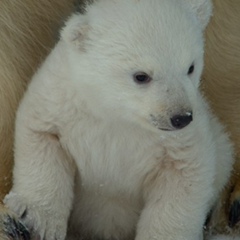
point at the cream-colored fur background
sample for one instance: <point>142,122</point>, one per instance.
<point>28,31</point>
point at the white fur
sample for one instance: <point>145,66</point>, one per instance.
<point>90,142</point>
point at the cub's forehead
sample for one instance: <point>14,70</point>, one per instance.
<point>143,20</point>
<point>160,28</point>
<point>138,13</point>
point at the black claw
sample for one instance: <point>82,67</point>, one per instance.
<point>234,214</point>
<point>15,229</point>
<point>24,214</point>
<point>208,218</point>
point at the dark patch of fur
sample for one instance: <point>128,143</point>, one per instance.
<point>15,229</point>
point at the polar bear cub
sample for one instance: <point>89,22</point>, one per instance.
<point>113,138</point>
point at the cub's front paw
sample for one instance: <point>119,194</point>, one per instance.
<point>42,220</point>
<point>11,228</point>
<point>14,229</point>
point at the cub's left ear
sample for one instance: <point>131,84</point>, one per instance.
<point>75,31</point>
<point>203,10</point>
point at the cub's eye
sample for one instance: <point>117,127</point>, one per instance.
<point>191,69</point>
<point>141,78</point>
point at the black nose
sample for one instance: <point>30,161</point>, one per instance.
<point>182,120</point>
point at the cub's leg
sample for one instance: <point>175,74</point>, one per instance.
<point>43,184</point>
<point>176,202</point>
<point>28,32</point>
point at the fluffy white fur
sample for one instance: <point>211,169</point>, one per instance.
<point>98,149</point>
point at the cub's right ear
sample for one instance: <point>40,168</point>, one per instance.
<point>75,31</point>
<point>202,9</point>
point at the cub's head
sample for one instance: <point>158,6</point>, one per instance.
<point>139,60</point>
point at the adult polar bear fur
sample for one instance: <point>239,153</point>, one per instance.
<point>113,135</point>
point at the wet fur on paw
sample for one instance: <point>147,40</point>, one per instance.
<point>12,228</point>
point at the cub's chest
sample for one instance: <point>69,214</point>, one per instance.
<point>112,153</point>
